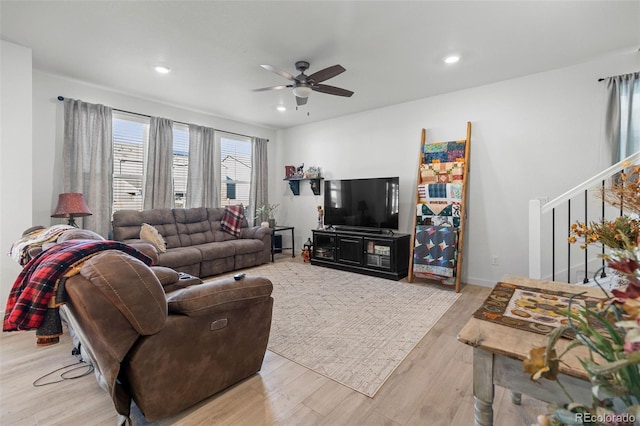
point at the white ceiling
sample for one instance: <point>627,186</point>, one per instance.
<point>392,50</point>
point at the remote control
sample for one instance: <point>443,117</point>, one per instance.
<point>239,276</point>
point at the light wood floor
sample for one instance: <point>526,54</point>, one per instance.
<point>433,386</point>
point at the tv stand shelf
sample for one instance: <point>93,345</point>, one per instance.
<point>378,253</point>
<point>294,184</point>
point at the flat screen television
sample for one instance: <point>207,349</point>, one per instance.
<point>366,203</point>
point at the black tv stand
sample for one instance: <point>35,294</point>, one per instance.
<point>377,252</point>
<point>361,229</point>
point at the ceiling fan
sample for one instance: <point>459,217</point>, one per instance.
<point>303,84</point>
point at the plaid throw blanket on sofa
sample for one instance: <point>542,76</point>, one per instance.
<point>28,300</point>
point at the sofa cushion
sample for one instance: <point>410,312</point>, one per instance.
<point>232,220</point>
<point>217,250</point>
<point>150,234</point>
<point>193,226</point>
<point>247,246</point>
<point>127,224</point>
<point>180,256</point>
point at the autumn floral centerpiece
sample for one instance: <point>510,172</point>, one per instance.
<point>610,333</point>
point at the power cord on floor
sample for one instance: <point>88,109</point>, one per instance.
<point>67,370</point>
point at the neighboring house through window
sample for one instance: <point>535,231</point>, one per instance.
<point>130,136</point>
<point>235,170</point>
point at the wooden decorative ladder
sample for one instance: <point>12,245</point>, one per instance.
<point>438,226</point>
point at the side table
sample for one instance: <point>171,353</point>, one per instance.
<point>282,228</point>
<point>498,352</point>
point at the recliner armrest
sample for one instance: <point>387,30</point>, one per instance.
<point>220,295</point>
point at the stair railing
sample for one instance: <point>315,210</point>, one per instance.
<point>551,256</point>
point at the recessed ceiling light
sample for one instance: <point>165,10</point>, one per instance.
<point>162,70</point>
<point>452,59</point>
<point>281,108</point>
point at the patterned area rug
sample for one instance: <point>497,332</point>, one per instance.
<point>351,328</point>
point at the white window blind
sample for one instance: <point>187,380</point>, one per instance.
<point>180,162</point>
<point>235,170</point>
<point>130,136</point>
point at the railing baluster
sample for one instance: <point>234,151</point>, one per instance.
<point>586,258</point>
<point>603,274</point>
<point>568,243</point>
<point>553,244</point>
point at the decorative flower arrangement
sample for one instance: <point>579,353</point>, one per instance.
<point>611,333</point>
<point>624,194</point>
<point>267,211</point>
<point>610,233</point>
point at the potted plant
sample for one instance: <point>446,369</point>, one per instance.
<point>267,212</point>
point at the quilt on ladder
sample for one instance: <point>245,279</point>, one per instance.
<point>443,152</point>
<point>435,252</point>
<point>449,172</point>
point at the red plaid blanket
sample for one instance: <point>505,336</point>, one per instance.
<point>31,291</point>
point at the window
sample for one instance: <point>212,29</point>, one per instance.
<point>130,136</point>
<point>630,121</point>
<point>180,163</point>
<point>235,169</point>
<point>622,122</point>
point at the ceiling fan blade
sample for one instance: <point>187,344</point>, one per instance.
<point>301,101</point>
<point>263,89</point>
<point>326,73</point>
<point>332,90</point>
<point>278,71</point>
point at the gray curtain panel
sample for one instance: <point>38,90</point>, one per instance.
<point>158,185</point>
<point>204,165</point>
<point>259,191</point>
<point>622,121</point>
<point>88,160</point>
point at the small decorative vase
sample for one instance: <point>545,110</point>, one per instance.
<point>265,224</point>
<point>272,223</point>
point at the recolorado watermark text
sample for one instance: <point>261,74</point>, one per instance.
<point>624,418</point>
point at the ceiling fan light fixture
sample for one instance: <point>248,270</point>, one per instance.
<point>302,91</point>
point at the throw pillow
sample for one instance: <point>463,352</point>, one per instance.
<point>151,234</point>
<point>232,219</point>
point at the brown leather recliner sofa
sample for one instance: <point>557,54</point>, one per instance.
<point>194,241</point>
<point>163,342</point>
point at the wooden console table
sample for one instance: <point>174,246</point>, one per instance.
<point>498,352</point>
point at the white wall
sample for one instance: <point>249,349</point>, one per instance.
<point>48,130</point>
<point>533,136</point>
<point>15,156</point>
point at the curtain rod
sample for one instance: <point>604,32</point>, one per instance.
<point>604,78</point>
<point>61,98</point>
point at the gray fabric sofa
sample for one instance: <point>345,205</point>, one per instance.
<point>194,241</point>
